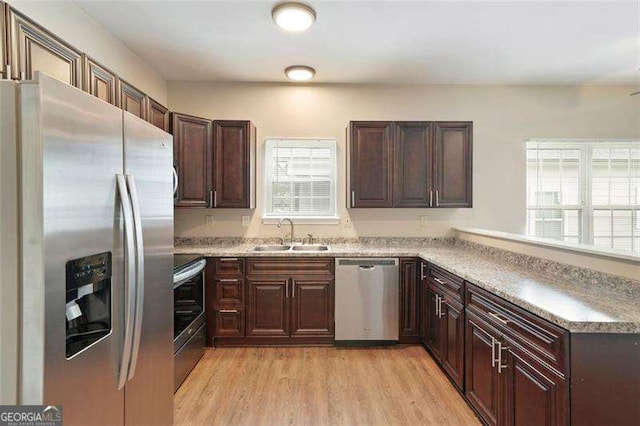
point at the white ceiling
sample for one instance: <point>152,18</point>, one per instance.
<point>396,42</point>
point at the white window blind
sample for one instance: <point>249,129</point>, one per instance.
<point>585,192</point>
<point>300,178</point>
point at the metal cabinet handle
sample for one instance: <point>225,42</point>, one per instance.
<point>499,318</point>
<point>438,305</point>
<point>228,259</point>
<point>441,311</point>
<point>353,198</point>
<point>422,266</point>
<point>228,311</point>
<point>431,198</point>
<point>215,198</point>
<point>499,360</point>
<point>437,199</point>
<point>229,280</point>
<point>210,199</point>
<point>438,280</point>
<point>293,288</point>
<point>493,352</point>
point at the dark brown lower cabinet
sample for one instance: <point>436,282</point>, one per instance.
<point>452,317</point>
<point>409,301</point>
<point>312,306</point>
<point>229,322</point>
<point>268,307</point>
<point>534,395</point>
<point>482,386</point>
<point>434,332</point>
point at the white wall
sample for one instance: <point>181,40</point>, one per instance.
<point>73,25</point>
<point>504,117</point>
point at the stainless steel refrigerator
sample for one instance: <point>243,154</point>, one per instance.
<point>89,258</point>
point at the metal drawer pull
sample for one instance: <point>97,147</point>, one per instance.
<point>228,311</point>
<point>499,360</point>
<point>493,352</point>
<point>438,280</point>
<point>229,280</point>
<point>228,259</point>
<point>499,318</point>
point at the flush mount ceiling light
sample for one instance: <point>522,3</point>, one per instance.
<point>294,17</point>
<point>300,73</point>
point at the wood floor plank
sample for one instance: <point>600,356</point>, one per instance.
<point>319,386</point>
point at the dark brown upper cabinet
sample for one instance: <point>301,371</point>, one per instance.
<point>192,159</point>
<point>371,166</point>
<point>99,81</point>
<point>453,143</point>
<point>410,164</point>
<point>4,42</point>
<point>234,144</point>
<point>35,49</point>
<point>132,99</point>
<point>158,115</point>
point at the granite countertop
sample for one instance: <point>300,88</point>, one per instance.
<point>581,301</point>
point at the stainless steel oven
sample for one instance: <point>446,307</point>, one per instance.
<point>188,315</point>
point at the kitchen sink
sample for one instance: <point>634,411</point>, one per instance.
<point>316,247</point>
<point>271,248</point>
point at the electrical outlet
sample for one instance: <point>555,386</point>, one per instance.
<point>245,218</point>
<point>424,221</point>
<point>347,222</point>
<point>208,221</point>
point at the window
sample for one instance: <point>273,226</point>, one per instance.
<point>584,192</point>
<point>300,178</point>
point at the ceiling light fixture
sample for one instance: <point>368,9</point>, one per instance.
<point>294,17</point>
<point>299,72</point>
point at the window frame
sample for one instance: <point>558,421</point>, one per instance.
<point>586,208</point>
<point>323,142</point>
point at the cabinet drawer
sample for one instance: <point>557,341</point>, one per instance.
<point>229,291</point>
<point>229,323</point>
<point>447,280</point>
<point>288,266</point>
<point>229,266</point>
<point>540,337</point>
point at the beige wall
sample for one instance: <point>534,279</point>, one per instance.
<point>73,25</point>
<point>504,117</point>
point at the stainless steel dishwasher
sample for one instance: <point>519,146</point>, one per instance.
<point>367,300</point>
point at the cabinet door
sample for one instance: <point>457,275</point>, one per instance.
<point>35,49</point>
<point>132,100</point>
<point>409,298</point>
<point>99,81</point>
<point>534,395</point>
<point>158,115</point>
<point>434,325</point>
<point>311,306</point>
<point>482,385</point>
<point>413,165</point>
<point>234,145</point>
<point>371,164</point>
<point>192,155</point>
<point>453,339</point>
<point>268,307</point>
<point>452,168</point>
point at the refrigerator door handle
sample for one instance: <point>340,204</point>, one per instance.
<point>137,330</point>
<point>129,279</point>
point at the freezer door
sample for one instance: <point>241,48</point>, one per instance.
<point>148,160</point>
<point>72,259</point>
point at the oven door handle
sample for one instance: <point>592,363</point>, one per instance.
<point>184,276</point>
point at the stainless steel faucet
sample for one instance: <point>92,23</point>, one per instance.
<point>290,222</point>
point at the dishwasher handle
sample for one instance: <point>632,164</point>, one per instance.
<point>367,267</point>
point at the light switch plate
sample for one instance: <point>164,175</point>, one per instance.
<point>424,221</point>
<point>245,219</point>
<point>208,221</point>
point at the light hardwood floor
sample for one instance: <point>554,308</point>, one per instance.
<point>319,386</point>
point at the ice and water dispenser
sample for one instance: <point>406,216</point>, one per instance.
<point>88,301</point>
